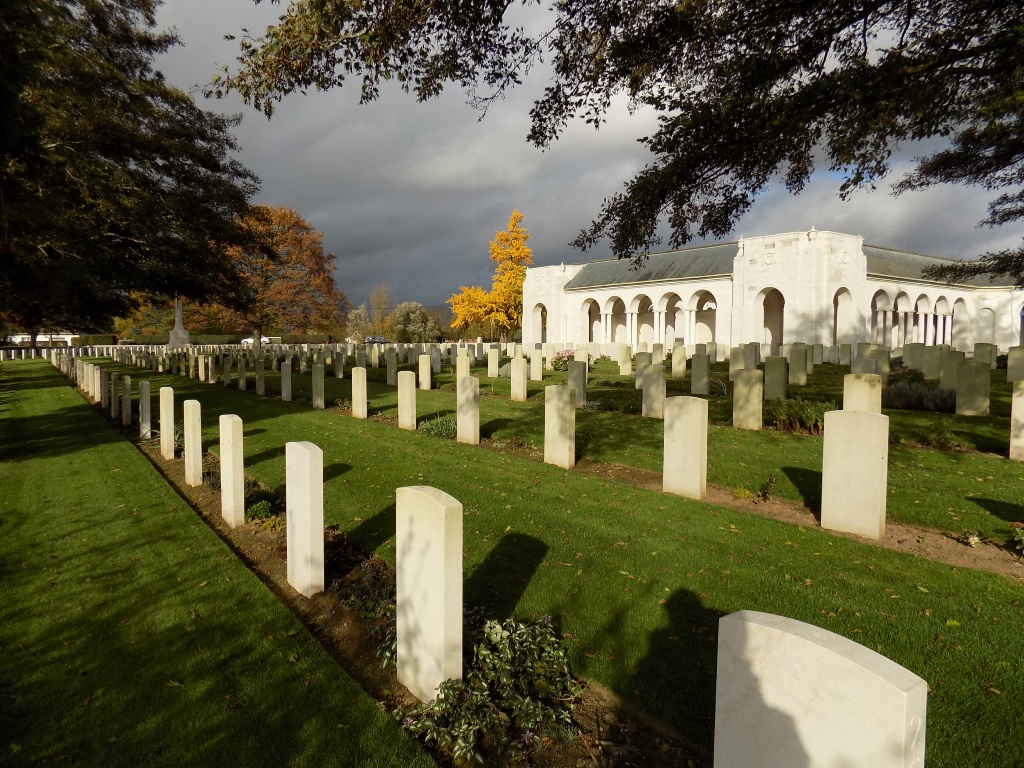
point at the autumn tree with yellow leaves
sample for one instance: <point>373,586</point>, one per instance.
<point>502,307</point>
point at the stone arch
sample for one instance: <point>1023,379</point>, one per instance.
<point>773,305</point>
<point>844,318</point>
<point>705,316</point>
<point>881,316</point>
<point>961,331</point>
<point>902,330</point>
<point>986,326</point>
<point>540,321</point>
<point>590,321</point>
<point>616,309</point>
<point>673,320</point>
<point>643,308</point>
<point>941,320</point>
<point>923,319</point>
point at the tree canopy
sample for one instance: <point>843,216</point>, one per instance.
<point>746,90</point>
<point>414,323</point>
<point>502,307</point>
<point>113,184</point>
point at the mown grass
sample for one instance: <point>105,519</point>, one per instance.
<point>130,634</point>
<point>638,579</point>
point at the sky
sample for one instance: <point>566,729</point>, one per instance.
<point>409,194</point>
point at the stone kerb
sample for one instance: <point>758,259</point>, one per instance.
<point>406,400</point>
<point>747,399</point>
<point>700,374</point>
<point>467,410</point>
<point>428,580</point>
<point>167,423</point>
<point>359,406</point>
<point>193,431</point>
<point>973,384</point>
<point>145,410</point>
<point>304,513</point>
<point>862,392</point>
<point>232,471</point>
<point>653,395</point>
<point>793,694</point>
<point>560,426</point>
<point>577,379</point>
<point>685,463</point>
<point>776,374</point>
<point>855,464</point>
<point>798,366</point>
<point>319,400</point>
<point>426,371</point>
<point>1017,421</point>
<point>519,388</point>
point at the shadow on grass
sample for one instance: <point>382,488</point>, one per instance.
<point>1011,513</point>
<point>499,581</point>
<point>337,469</point>
<point>493,426</point>
<point>371,534</point>
<point>55,433</point>
<point>808,483</point>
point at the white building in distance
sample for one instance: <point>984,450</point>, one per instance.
<point>813,287</point>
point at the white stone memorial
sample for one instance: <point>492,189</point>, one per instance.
<point>232,471</point>
<point>776,374</point>
<point>519,388</point>
<point>700,374</point>
<point>862,392</point>
<point>685,467</point>
<point>426,371</point>
<point>652,402</point>
<point>854,478</point>
<point>578,381</point>
<point>467,410</point>
<point>560,426</point>
<point>145,410</point>
<point>747,399</point>
<point>167,423</point>
<point>406,400</point>
<point>428,565</point>
<point>360,409</point>
<point>304,513</point>
<point>319,400</point>
<point>193,431</point>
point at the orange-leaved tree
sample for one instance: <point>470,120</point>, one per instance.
<point>287,281</point>
<point>503,305</point>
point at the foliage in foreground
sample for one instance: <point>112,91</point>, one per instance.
<point>518,688</point>
<point>797,415</point>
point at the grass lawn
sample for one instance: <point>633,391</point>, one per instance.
<point>130,634</point>
<point>638,579</point>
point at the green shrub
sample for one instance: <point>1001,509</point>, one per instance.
<point>910,375</point>
<point>941,434</point>
<point>261,510</point>
<point>445,427</point>
<point>517,689</point>
<point>796,415</point>
<point>918,396</point>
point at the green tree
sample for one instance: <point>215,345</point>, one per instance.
<point>746,90</point>
<point>113,185</point>
<point>414,324</point>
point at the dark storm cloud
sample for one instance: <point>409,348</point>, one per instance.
<point>409,194</point>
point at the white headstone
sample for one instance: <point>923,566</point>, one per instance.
<point>685,468</point>
<point>304,513</point>
<point>232,471</point>
<point>319,400</point>
<point>862,392</point>
<point>286,381</point>
<point>359,404</point>
<point>855,463</point>
<point>560,426</point>
<point>467,411</point>
<point>406,400</point>
<point>193,429</point>
<point>167,423</point>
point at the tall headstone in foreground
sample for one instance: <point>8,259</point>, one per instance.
<point>232,471</point>
<point>685,468</point>
<point>973,384</point>
<point>406,400</point>
<point>793,694</point>
<point>167,423</point>
<point>854,476</point>
<point>560,426</point>
<point>519,380</point>
<point>304,513</point>
<point>359,405</point>
<point>1017,421</point>
<point>428,580</point>
<point>862,392</point>
<point>747,399</point>
<point>467,410</point>
<point>193,443</point>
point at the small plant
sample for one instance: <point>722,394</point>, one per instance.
<point>560,360</point>
<point>971,538</point>
<point>275,523</point>
<point>211,477</point>
<point>517,690</point>
<point>767,489</point>
<point>1018,535</point>
<point>918,396</point>
<point>515,441</point>
<point>592,405</point>
<point>445,427</point>
<point>900,373</point>
<point>741,493</point>
<point>344,404</point>
<point>796,415</point>
<point>942,436</point>
<point>261,510</point>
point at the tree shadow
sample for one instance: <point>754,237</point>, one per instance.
<point>808,483</point>
<point>499,582</point>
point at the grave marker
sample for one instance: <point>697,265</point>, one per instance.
<point>304,513</point>
<point>232,471</point>
<point>685,464</point>
<point>359,405</point>
<point>560,426</point>
<point>854,479</point>
<point>193,429</point>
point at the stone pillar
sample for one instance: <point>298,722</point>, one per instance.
<point>167,423</point>
<point>428,580</point>
<point>145,411</point>
<point>578,381</point>
<point>798,366</point>
<point>519,389</point>
<point>193,443</point>
<point>126,401</point>
<point>855,465</point>
<point>685,465</point>
<point>1017,421</point>
<point>862,392</point>
<point>426,368</point>
<point>793,694</point>
<point>776,373</point>
<point>319,398</point>
<point>653,396</point>
<point>304,512</point>
<point>560,426</point>
<point>747,398</point>
<point>406,400</point>
<point>467,410</point>
<point>973,384</point>
<point>700,374</point>
<point>232,471</point>
<point>359,404</point>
